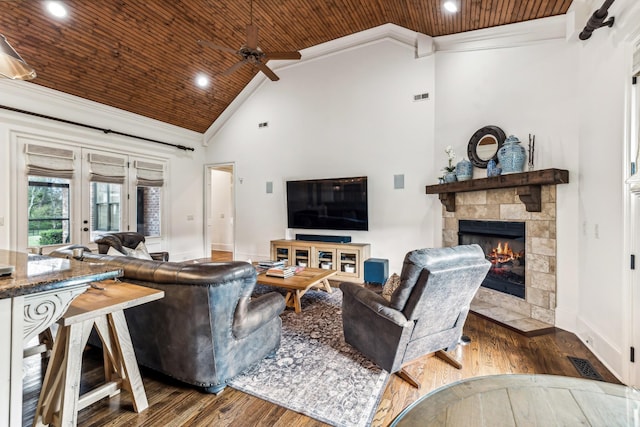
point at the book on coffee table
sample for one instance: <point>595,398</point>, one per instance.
<point>271,263</point>
<point>283,272</point>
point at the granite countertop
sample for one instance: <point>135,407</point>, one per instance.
<point>37,273</point>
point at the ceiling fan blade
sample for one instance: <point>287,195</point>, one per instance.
<point>252,36</point>
<point>283,55</point>
<point>234,67</point>
<point>267,71</point>
<point>216,46</point>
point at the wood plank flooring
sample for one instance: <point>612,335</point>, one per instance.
<point>221,256</point>
<point>493,350</point>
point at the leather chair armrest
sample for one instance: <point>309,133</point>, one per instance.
<point>159,256</point>
<point>375,303</point>
<point>252,313</point>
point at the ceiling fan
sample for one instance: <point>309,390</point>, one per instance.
<point>251,54</point>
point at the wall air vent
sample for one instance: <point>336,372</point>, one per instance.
<point>421,97</point>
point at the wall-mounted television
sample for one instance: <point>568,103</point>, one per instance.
<point>328,204</point>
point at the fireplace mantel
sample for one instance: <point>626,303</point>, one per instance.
<point>527,184</point>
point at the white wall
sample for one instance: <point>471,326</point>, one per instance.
<point>183,237</point>
<point>603,302</point>
<point>347,114</point>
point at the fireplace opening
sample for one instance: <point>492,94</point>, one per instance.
<point>504,246</point>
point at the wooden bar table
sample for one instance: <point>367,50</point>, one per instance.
<point>33,297</point>
<point>102,307</point>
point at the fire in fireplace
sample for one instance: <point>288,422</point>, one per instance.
<point>504,246</point>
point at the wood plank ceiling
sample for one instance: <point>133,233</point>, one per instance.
<point>142,56</point>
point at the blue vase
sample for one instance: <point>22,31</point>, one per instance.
<point>493,169</point>
<point>512,156</point>
<point>464,170</point>
<point>450,177</point>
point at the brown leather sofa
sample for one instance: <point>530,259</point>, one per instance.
<point>125,239</point>
<point>207,329</point>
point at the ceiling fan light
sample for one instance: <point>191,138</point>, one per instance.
<point>12,66</point>
<point>450,6</point>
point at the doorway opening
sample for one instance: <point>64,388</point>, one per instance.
<point>220,207</point>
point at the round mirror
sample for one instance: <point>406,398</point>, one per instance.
<point>484,145</point>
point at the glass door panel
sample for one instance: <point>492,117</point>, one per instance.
<point>282,253</point>
<point>48,211</point>
<point>302,257</point>
<point>349,262</point>
<point>105,208</point>
<point>327,259</point>
<point>104,194</point>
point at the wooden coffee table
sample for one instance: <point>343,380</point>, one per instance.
<point>299,284</point>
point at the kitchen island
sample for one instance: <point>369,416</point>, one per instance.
<point>33,297</point>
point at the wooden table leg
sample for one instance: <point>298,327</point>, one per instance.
<point>297,301</point>
<point>292,299</point>
<point>327,286</point>
<point>77,335</point>
<point>51,379</point>
<point>289,300</point>
<point>108,356</point>
<point>131,374</point>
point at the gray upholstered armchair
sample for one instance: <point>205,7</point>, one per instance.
<point>125,239</point>
<point>426,313</point>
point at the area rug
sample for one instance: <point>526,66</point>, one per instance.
<point>315,372</point>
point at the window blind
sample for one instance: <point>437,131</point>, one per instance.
<point>108,169</point>
<point>49,161</point>
<point>149,174</point>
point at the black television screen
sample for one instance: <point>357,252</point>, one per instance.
<point>328,204</point>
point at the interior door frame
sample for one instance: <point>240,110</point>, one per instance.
<point>630,368</point>
<point>208,202</point>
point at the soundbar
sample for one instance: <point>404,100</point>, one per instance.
<point>323,238</point>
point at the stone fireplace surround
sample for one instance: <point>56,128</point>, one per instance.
<point>490,199</point>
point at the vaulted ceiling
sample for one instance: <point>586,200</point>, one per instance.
<point>142,55</point>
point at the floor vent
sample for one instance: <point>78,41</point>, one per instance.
<point>585,368</point>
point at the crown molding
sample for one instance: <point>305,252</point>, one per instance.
<point>38,99</point>
<point>505,36</point>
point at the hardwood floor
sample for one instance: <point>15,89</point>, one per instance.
<point>221,256</point>
<point>493,350</point>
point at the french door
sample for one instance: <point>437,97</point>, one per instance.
<point>74,194</point>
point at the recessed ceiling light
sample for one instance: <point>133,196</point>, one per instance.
<point>57,9</point>
<point>202,81</point>
<point>450,6</point>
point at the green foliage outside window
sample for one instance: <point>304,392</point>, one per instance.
<point>50,237</point>
<point>48,211</point>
